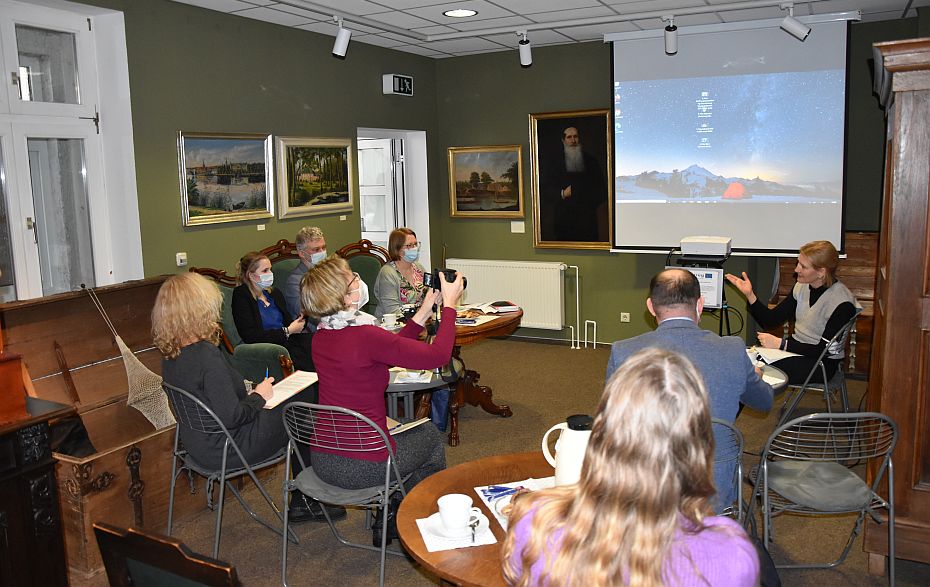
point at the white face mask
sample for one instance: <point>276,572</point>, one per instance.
<point>363,296</point>
<point>317,257</point>
<point>265,280</point>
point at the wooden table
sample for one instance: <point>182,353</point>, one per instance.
<point>476,565</point>
<point>467,389</point>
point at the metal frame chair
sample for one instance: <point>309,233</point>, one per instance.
<point>803,469</point>
<point>335,428</point>
<point>729,449</point>
<point>837,382</point>
<point>193,413</point>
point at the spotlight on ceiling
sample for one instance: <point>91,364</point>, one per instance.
<point>671,35</point>
<point>342,40</point>
<point>793,26</point>
<point>526,53</point>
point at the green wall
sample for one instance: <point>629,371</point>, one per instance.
<point>198,70</point>
<point>193,69</point>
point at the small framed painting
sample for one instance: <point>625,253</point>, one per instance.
<point>486,182</point>
<point>224,177</point>
<point>315,176</point>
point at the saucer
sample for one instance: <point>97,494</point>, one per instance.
<point>434,527</point>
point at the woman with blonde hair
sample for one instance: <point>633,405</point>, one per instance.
<point>353,358</point>
<point>818,304</point>
<point>641,513</point>
<point>400,281</point>
<point>185,327</point>
<point>260,311</point>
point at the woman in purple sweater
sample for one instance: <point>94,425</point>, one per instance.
<point>352,357</point>
<point>641,513</point>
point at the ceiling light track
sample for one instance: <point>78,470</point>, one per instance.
<point>413,35</point>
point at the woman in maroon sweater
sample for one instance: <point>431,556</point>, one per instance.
<point>352,356</point>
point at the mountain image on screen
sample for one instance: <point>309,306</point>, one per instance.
<point>698,184</point>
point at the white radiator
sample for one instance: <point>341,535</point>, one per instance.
<point>535,287</point>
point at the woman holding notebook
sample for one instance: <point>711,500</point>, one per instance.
<point>353,357</point>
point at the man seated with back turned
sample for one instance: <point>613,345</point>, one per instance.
<point>676,302</point>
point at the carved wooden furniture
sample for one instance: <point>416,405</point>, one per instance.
<point>136,557</point>
<point>857,272</point>
<point>467,389</point>
<point>477,566</point>
<point>899,379</point>
<point>71,358</point>
<point>30,522</point>
<point>366,259</point>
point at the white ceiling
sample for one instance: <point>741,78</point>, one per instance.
<point>419,26</point>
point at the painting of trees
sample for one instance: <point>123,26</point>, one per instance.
<point>314,175</point>
<point>486,181</point>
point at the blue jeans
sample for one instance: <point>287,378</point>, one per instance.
<point>439,407</point>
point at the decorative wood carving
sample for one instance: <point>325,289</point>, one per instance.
<point>81,484</point>
<point>136,484</point>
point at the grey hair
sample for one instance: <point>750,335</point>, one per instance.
<point>307,234</point>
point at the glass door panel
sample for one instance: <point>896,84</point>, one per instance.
<point>48,68</point>
<point>61,226</point>
<point>7,276</point>
<point>377,196</point>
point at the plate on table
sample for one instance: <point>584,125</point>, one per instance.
<point>435,528</point>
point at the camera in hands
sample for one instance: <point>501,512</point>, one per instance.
<point>432,279</point>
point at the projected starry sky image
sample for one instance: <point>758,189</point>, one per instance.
<point>772,138</point>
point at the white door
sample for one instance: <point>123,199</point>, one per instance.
<point>381,188</point>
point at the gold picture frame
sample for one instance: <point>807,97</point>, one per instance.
<point>315,176</point>
<point>486,182</point>
<point>572,209</point>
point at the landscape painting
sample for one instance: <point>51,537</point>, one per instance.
<point>224,177</point>
<point>486,182</point>
<point>315,176</point>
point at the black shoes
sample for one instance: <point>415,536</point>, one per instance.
<point>377,525</point>
<point>304,510</point>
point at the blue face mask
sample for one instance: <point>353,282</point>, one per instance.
<point>265,280</point>
<point>411,255</point>
<point>317,257</point>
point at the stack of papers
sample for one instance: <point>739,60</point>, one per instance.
<point>289,387</point>
<point>413,376</point>
<point>497,501</point>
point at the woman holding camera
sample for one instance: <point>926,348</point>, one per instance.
<point>400,281</point>
<point>353,358</point>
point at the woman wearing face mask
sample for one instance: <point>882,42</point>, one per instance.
<point>819,305</point>
<point>260,311</point>
<point>401,280</point>
<point>352,358</point>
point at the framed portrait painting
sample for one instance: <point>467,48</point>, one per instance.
<point>315,176</point>
<point>572,184</point>
<point>486,182</point>
<point>225,177</point>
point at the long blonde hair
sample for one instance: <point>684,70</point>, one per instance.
<point>648,462</point>
<point>247,264</point>
<point>324,286</point>
<point>187,309</point>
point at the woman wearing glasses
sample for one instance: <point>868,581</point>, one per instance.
<point>353,356</point>
<point>260,311</point>
<point>400,281</point>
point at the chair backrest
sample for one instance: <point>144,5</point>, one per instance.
<point>836,347</point>
<point>834,437</point>
<point>137,557</point>
<point>334,428</point>
<point>366,259</point>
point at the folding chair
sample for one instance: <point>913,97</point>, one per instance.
<point>136,557</point>
<point>803,470</point>
<point>193,413</point>
<point>334,428</point>
<point>837,383</point>
<point>728,467</point>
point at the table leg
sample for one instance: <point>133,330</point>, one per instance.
<point>468,391</point>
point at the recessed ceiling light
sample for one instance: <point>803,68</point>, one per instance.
<point>460,13</point>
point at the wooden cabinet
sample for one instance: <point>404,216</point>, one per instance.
<point>32,551</point>
<point>899,377</point>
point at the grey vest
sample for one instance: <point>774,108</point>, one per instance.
<point>810,321</point>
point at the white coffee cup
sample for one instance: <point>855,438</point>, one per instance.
<point>455,512</point>
<point>389,320</point>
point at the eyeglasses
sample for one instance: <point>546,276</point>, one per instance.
<point>356,279</point>
<point>411,247</point>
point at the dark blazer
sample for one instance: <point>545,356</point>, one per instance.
<point>728,374</point>
<point>249,324</point>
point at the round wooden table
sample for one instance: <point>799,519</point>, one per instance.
<point>467,390</point>
<point>478,566</point>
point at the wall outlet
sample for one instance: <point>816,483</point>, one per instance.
<point>624,316</point>
<point>342,218</point>
<point>260,227</point>
<point>180,259</point>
